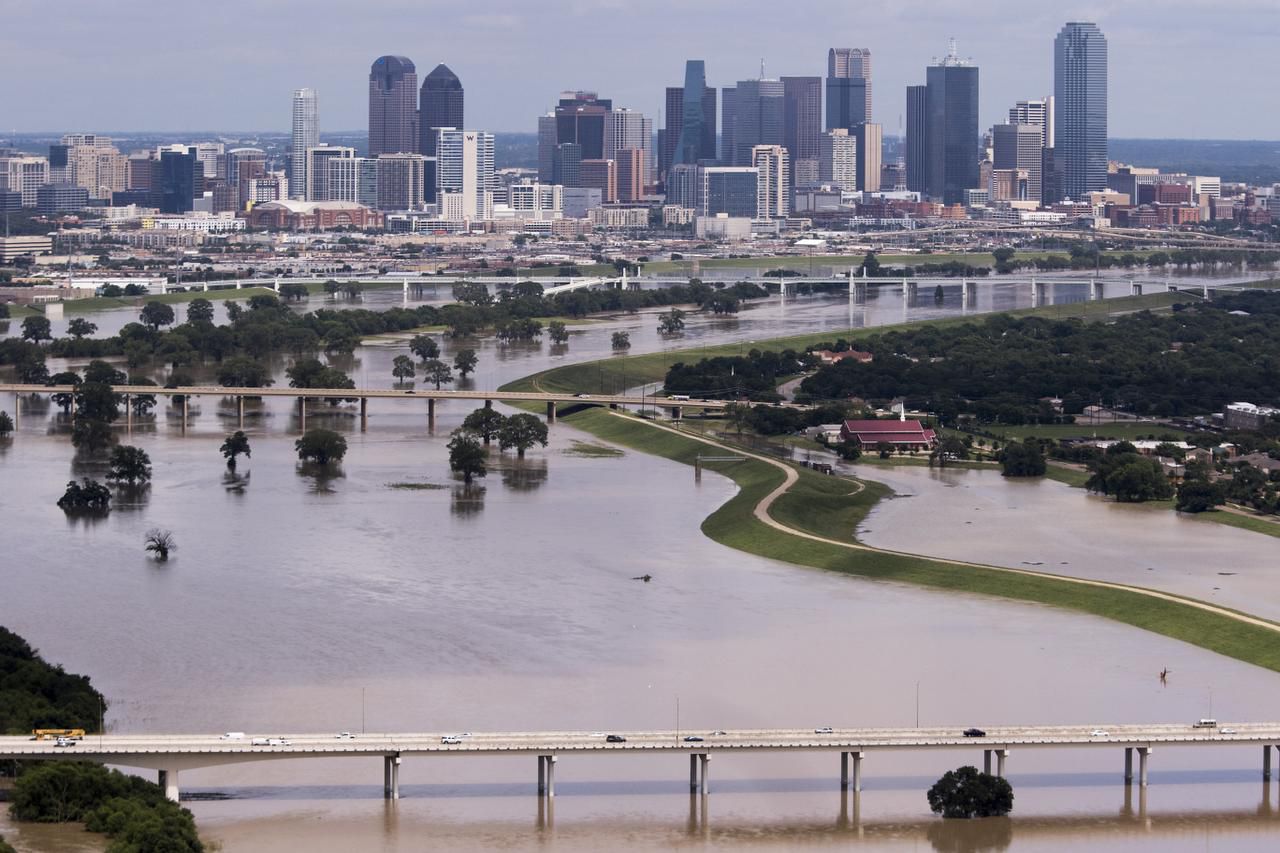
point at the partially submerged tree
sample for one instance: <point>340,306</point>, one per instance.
<point>321,446</point>
<point>402,368</point>
<point>968,793</point>
<point>233,446</point>
<point>435,370</point>
<point>465,361</point>
<point>129,465</point>
<point>522,431</point>
<point>485,422</point>
<point>85,496</point>
<point>620,341</point>
<point>159,543</point>
<point>466,456</point>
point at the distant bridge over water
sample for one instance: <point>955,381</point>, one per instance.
<point>175,753</point>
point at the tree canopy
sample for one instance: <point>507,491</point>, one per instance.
<point>968,793</point>
<point>321,446</point>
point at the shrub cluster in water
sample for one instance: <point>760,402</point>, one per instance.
<point>85,496</point>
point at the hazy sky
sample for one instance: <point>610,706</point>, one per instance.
<point>1179,68</point>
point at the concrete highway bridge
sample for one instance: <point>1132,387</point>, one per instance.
<point>551,400</point>
<point>172,754</point>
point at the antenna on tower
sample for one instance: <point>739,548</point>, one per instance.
<point>762,68</point>
<point>951,47</point>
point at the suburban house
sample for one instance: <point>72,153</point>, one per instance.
<point>827,356</point>
<point>902,434</point>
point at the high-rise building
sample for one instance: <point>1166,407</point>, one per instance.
<point>951,131</point>
<point>353,179</point>
<point>627,129</point>
<point>546,147</point>
<point>758,113</point>
<point>91,161</point>
<point>838,159</point>
<point>870,148</point>
<point>603,175</point>
<point>306,135</point>
<point>802,126</point>
<point>440,105</point>
<point>1080,103</point>
<point>691,118</point>
<point>464,170</point>
<point>731,190</point>
<point>24,175</point>
<point>240,165</point>
<point>316,168</point>
<point>848,87</point>
<point>580,119</point>
<point>1039,113</point>
<point>1019,147</point>
<point>728,122</point>
<point>566,165</point>
<point>631,177</point>
<point>400,181</point>
<point>181,179</point>
<point>773,181</point>
<point>393,106</point>
<point>916,146</point>
<point>682,185</point>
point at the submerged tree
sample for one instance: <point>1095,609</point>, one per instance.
<point>485,422</point>
<point>620,341</point>
<point>466,456</point>
<point>233,446</point>
<point>85,496</point>
<point>967,793</point>
<point>465,361</point>
<point>402,367</point>
<point>321,446</point>
<point>158,543</point>
<point>129,465</point>
<point>522,431</point>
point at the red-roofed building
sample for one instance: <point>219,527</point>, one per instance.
<point>827,356</point>
<point>903,435</point>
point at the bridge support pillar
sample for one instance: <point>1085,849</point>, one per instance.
<point>1266,762</point>
<point>1001,756</point>
<point>1170,286</point>
<point>431,413</point>
<point>1144,752</point>
<point>364,414</point>
<point>391,777</point>
<point>488,404</point>
<point>128,413</point>
<point>693,773</point>
<point>844,771</point>
<point>705,761</point>
<point>857,771</point>
<point>168,779</point>
<point>858,290</point>
<point>986,761</point>
<point>186,402</point>
<point>970,293</point>
<point>546,776</point>
<point>240,412</point>
<point>1135,288</point>
<point>677,412</point>
<point>302,413</point>
<point>1128,765</point>
<point>1095,289</point>
<point>551,411</point>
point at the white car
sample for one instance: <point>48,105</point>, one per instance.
<point>1227,731</point>
<point>823,730</point>
<point>1099,733</point>
<point>451,739</point>
<point>233,736</point>
<point>344,735</point>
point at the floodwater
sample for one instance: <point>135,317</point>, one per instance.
<point>305,603</point>
<point>1048,526</point>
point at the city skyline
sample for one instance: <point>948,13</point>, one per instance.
<point>1148,97</point>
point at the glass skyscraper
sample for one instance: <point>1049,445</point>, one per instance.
<point>1080,105</point>
<point>440,105</point>
<point>691,146</point>
<point>393,106</point>
<point>951,129</point>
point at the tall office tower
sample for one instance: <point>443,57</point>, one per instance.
<point>731,190</point>
<point>773,183</point>
<point>566,165</point>
<point>691,117</point>
<point>464,168</point>
<point>546,147</point>
<point>393,106</point>
<point>306,134</point>
<point>631,174</point>
<point>838,159</point>
<point>1038,113</point>
<point>682,185</point>
<point>1080,101</point>
<point>916,145</point>
<point>728,122</point>
<point>400,181</point>
<point>580,119</point>
<point>802,126</point>
<point>210,155</point>
<point>353,179</point>
<point>1019,147</point>
<point>870,149</point>
<point>758,117</point>
<point>181,178</point>
<point>316,168</point>
<point>848,86</point>
<point>628,129</point>
<point>239,160</point>
<point>439,106</point>
<point>601,175</point>
<point>24,175</point>
<point>951,131</point>
<point>90,161</point>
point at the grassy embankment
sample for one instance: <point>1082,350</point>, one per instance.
<point>831,507</point>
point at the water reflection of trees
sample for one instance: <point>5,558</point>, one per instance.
<point>131,497</point>
<point>524,475</point>
<point>322,477</point>
<point>980,835</point>
<point>234,483</point>
<point>468,500</point>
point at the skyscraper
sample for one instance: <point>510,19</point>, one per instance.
<point>546,147</point>
<point>400,181</point>
<point>629,130</point>
<point>758,114</point>
<point>316,168</point>
<point>952,129</point>
<point>393,106</point>
<point>802,126</point>
<point>1080,102</point>
<point>773,181</point>
<point>441,105</point>
<point>695,129</point>
<point>580,119</point>
<point>870,148</point>
<point>917,148</point>
<point>306,134</point>
<point>848,87</point>
<point>1019,147</point>
<point>464,163</point>
<point>181,179</point>
<point>631,178</point>
<point>838,159</point>
<point>1037,112</point>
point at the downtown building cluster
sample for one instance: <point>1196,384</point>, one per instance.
<point>759,157</point>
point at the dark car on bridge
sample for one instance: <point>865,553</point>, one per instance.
<point>974,733</point>
<point>615,739</point>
